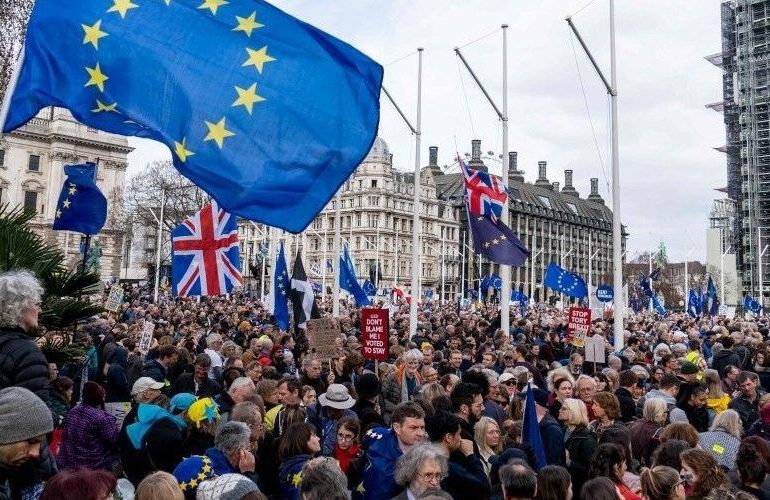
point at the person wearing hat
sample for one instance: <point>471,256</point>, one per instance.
<point>228,487</point>
<point>368,405</point>
<point>191,472</point>
<point>687,375</point>
<point>550,430</point>
<point>24,460</point>
<point>324,415</point>
<point>144,390</point>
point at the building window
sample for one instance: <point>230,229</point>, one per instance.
<point>572,207</point>
<point>545,200</point>
<point>30,201</point>
<point>374,183</point>
<point>34,163</point>
<point>2,157</point>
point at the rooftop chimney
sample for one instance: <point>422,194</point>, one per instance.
<point>568,187</point>
<point>514,174</point>
<point>476,161</point>
<point>595,196</point>
<point>542,179</point>
<point>555,187</point>
<point>433,156</point>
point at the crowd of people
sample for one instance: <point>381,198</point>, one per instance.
<point>222,404</point>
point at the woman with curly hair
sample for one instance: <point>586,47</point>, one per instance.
<point>606,408</point>
<point>752,470</point>
<point>701,473</point>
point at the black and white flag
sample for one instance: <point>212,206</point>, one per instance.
<point>302,296</point>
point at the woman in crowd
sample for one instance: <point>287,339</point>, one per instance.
<point>116,387</point>
<point>401,385</point>
<point>662,483</point>
<point>89,434</point>
<point>669,453</point>
<point>554,483</point>
<point>159,486</point>
<point>579,441</point>
<point>717,400</point>
<point>563,388</point>
<point>299,443</point>
<point>254,371</point>
<point>656,373</point>
<point>268,390</point>
<point>701,473</point>
<point>347,447</point>
<point>80,484</point>
<point>645,431</point>
<point>752,471</point>
<point>682,431</point>
<point>489,440</point>
<point>723,438</point>
<point>606,408</point>
<point>60,398</point>
<point>602,382</point>
<point>600,488</point>
<point>610,461</point>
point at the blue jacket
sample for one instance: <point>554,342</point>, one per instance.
<point>289,475</point>
<point>326,428</point>
<point>155,371</point>
<point>219,462</point>
<point>553,441</point>
<point>381,455</point>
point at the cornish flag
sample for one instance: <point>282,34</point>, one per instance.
<point>486,193</point>
<point>302,295</point>
<point>205,259</point>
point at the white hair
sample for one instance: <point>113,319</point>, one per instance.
<point>19,290</point>
<point>491,374</point>
<point>412,355</point>
<point>241,382</point>
<point>214,337</point>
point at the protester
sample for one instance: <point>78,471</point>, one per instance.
<point>298,445</point>
<point>322,479</point>
<point>518,480</point>
<point>747,402</point>
<point>159,486</point>
<point>400,386</point>
<point>701,473</point>
<point>645,432</point>
<point>610,461</point>
<point>580,442</point>
<point>420,468</point>
<point>723,438</point>
<point>662,483</point>
<point>325,414</point>
<point>554,483</point>
<point>80,484</point>
<point>198,382</point>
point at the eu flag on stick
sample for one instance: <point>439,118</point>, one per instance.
<point>81,206</point>
<point>564,281</point>
<point>496,241</point>
<point>281,288</point>
<point>531,430</point>
<point>266,113</point>
<point>349,282</point>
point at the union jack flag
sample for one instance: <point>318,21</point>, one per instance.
<point>205,258</point>
<point>484,192</point>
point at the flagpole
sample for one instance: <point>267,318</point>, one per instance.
<point>264,263</point>
<point>323,257</point>
<point>505,270</point>
<point>377,254</point>
<point>416,211</point>
<point>158,242</point>
<point>443,270</point>
<point>336,268</point>
<point>462,266</point>
<point>395,258</point>
<point>590,269</point>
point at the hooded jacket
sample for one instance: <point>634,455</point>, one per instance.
<point>289,475</point>
<point>116,386</point>
<point>381,455</point>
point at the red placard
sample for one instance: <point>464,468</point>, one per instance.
<point>578,326</point>
<point>374,333</point>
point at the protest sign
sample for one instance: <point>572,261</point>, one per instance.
<point>115,299</point>
<point>146,339</point>
<point>596,349</point>
<point>374,334</point>
<point>578,325</point>
<point>322,335</point>
<point>118,410</point>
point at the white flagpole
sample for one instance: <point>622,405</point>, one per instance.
<point>462,266</point>
<point>336,261</point>
<point>264,263</point>
<point>616,228</point>
<point>395,258</point>
<point>443,269</point>
<point>416,211</point>
<point>377,254</point>
<point>505,322</point>
<point>323,257</point>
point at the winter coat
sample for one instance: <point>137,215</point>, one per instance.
<point>722,359</point>
<point>466,479</point>
<point>89,439</point>
<point>367,415</point>
<point>28,478</point>
<point>581,445</point>
<point>698,417</point>
<point>722,445</point>
<point>186,383</point>
<point>59,407</point>
<point>627,404</point>
<point>382,452</point>
<point>748,411</point>
<point>155,371</point>
<point>289,475</point>
<point>326,428</point>
<point>116,385</point>
<point>393,391</point>
<point>644,440</point>
<point>22,363</point>
<point>553,440</point>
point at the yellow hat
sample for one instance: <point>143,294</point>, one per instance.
<point>203,409</point>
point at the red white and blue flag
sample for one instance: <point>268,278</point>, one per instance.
<point>205,259</point>
<point>485,193</point>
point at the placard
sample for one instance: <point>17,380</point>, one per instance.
<point>118,410</point>
<point>596,349</point>
<point>322,335</point>
<point>114,299</point>
<point>146,339</point>
<point>578,326</point>
<point>374,333</point>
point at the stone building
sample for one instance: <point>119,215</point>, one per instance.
<point>31,175</point>
<point>556,225</point>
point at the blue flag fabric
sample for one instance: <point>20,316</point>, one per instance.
<point>655,274</point>
<point>268,114</point>
<point>564,281</point>
<point>658,306</point>
<point>81,206</point>
<point>522,299</point>
<point>636,304</point>
<point>531,430</point>
<point>281,288</point>
<point>693,308</point>
<point>751,305</point>
<point>349,282</point>
<point>711,293</point>
<point>496,241</point>
<point>486,283</point>
<point>369,288</point>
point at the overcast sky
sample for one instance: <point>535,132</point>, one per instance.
<point>668,167</point>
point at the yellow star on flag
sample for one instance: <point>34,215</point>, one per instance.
<point>93,33</point>
<point>296,479</point>
<point>121,7</point>
<point>247,24</point>
<point>58,213</point>
<point>97,77</point>
<point>181,150</point>
<point>258,58</point>
<point>247,97</point>
<point>212,5</point>
<point>100,106</point>
<point>66,203</point>
<point>73,190</point>
<point>217,132</point>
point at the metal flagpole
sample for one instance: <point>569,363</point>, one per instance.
<point>416,214</point>
<point>443,269</point>
<point>265,237</point>
<point>270,252</point>
<point>377,254</point>
<point>687,282</point>
<point>590,269</point>
<point>323,257</point>
<point>612,89</point>
<point>505,270</point>
<point>395,258</point>
<point>158,243</point>
<point>462,266</point>
<point>336,261</point>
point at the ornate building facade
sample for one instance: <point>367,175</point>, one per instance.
<point>31,175</point>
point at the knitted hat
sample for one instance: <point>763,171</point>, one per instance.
<point>181,402</point>
<point>192,471</point>
<point>203,409</point>
<point>367,386</point>
<point>23,416</point>
<point>226,487</point>
<point>689,368</point>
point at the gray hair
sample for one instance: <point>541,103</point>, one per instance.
<point>412,355</point>
<point>611,359</point>
<point>231,437</point>
<point>214,337</point>
<point>322,479</point>
<point>729,421</point>
<point>654,410</point>
<point>246,412</point>
<point>242,382</point>
<point>490,374</point>
<point>19,290</point>
<point>408,465</point>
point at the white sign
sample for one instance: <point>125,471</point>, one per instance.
<point>118,410</point>
<point>115,299</point>
<point>146,340</point>
<point>596,349</point>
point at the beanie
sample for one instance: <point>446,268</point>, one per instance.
<point>23,416</point>
<point>192,471</point>
<point>226,487</point>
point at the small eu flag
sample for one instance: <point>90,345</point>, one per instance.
<point>349,282</point>
<point>267,114</point>
<point>564,281</point>
<point>496,241</point>
<point>369,288</point>
<point>81,206</point>
<point>281,287</point>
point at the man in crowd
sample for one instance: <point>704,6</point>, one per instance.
<point>242,389</point>
<point>157,369</point>
<point>311,375</point>
<point>625,394</point>
<point>468,404</point>
<point>198,382</point>
<point>747,403</point>
<point>518,480</point>
<point>585,389</point>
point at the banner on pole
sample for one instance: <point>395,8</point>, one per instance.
<point>578,325</point>
<point>322,335</point>
<point>146,340</point>
<point>374,333</point>
<point>115,299</point>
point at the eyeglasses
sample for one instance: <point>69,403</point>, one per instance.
<point>431,476</point>
<point>345,437</point>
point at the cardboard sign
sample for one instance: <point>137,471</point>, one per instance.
<point>146,340</point>
<point>578,326</point>
<point>115,299</point>
<point>322,335</point>
<point>596,349</point>
<point>374,333</point>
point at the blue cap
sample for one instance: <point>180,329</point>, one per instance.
<point>181,402</point>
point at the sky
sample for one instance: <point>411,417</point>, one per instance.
<point>558,108</point>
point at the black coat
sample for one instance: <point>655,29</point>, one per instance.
<point>367,415</point>
<point>22,363</point>
<point>722,359</point>
<point>186,383</point>
<point>581,445</point>
<point>154,370</point>
<point>466,478</point>
<point>627,404</point>
<point>116,384</point>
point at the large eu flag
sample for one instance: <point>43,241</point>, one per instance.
<point>266,113</point>
<point>496,241</point>
<point>564,281</point>
<point>281,288</point>
<point>81,206</point>
<point>349,282</point>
